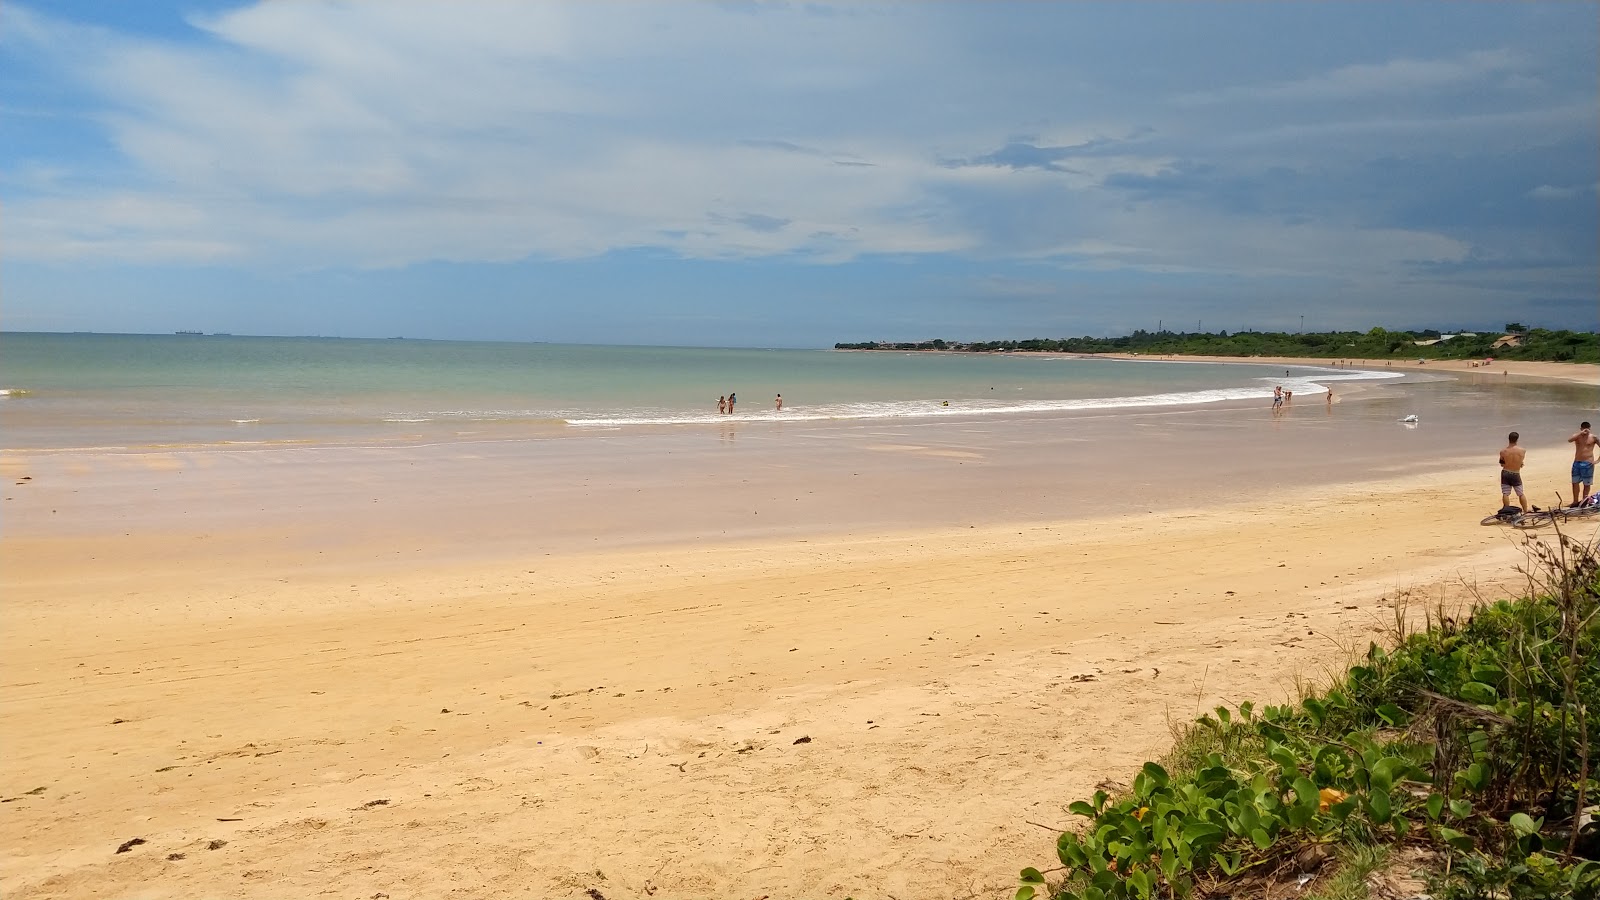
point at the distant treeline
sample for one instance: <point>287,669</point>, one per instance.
<point>1515,342</point>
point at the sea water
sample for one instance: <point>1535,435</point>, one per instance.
<point>76,391</point>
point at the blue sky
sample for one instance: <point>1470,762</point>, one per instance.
<point>776,174</point>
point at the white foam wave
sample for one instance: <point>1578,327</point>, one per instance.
<point>13,392</point>
<point>922,409</point>
<point>407,420</point>
<point>245,421</point>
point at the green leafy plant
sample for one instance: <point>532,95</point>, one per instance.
<point>1471,736</point>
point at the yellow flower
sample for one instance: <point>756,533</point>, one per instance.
<point>1328,797</point>
<point>1139,813</point>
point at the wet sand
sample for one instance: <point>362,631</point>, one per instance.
<point>799,661</point>
<point>1575,373</point>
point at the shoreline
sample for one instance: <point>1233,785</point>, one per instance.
<point>805,661</point>
<point>1572,372</point>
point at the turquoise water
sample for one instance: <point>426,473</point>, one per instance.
<point>92,390</point>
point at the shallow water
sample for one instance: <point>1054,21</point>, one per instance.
<point>129,391</point>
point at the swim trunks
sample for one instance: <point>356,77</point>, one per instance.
<point>1510,481</point>
<point>1582,472</point>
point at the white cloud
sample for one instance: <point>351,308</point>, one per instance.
<point>1396,76</point>
<point>314,134</point>
<point>1552,192</point>
<point>385,134</point>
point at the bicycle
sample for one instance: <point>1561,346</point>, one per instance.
<point>1514,516</point>
<point>1559,514</point>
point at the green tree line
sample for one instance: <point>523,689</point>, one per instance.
<point>1377,343</point>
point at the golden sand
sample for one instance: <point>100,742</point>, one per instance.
<point>905,714</point>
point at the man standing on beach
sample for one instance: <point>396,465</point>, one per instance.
<point>780,403</point>
<point>1511,473</point>
<point>1277,396</point>
<point>1582,462</point>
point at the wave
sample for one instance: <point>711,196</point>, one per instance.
<point>925,409</point>
<point>14,392</point>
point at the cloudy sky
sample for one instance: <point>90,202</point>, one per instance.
<point>792,174</point>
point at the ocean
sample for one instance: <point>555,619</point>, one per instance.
<point>108,391</point>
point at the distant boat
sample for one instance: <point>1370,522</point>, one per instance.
<point>188,332</point>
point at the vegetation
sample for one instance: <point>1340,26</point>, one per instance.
<point>1469,741</point>
<point>1531,344</point>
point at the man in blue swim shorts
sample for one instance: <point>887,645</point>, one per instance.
<point>1582,463</point>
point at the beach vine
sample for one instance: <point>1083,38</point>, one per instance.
<point>1466,743</point>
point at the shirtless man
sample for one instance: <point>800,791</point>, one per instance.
<point>1582,462</point>
<point>780,403</point>
<point>1511,473</point>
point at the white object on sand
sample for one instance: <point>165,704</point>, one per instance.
<point>1411,419</point>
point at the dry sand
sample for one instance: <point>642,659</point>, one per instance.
<point>901,715</point>
<point>874,660</point>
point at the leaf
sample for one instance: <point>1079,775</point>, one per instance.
<point>1392,715</point>
<point>1387,770</point>
<point>1024,893</point>
<point>1261,838</point>
<point>1319,713</point>
<point>1031,875</point>
<point>1488,673</point>
<point>1435,805</point>
<point>1378,806</point>
<point>1477,776</point>
<point>1455,838</point>
<point>1401,826</point>
<point>1080,808</point>
<point>1524,825</point>
<point>1306,797</point>
<point>1461,808</point>
<point>1478,692</point>
<point>1156,774</point>
<point>1342,810</point>
<point>1285,758</point>
<point>1202,836</point>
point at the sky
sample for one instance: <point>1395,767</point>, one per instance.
<point>768,174</point>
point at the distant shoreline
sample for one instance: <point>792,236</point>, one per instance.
<point>1575,372</point>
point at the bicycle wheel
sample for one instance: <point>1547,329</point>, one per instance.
<point>1535,520</point>
<point>1497,519</point>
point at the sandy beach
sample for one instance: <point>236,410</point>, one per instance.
<point>1574,373</point>
<point>581,669</point>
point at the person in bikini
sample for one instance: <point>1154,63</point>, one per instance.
<point>1511,459</point>
<point>1584,443</point>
